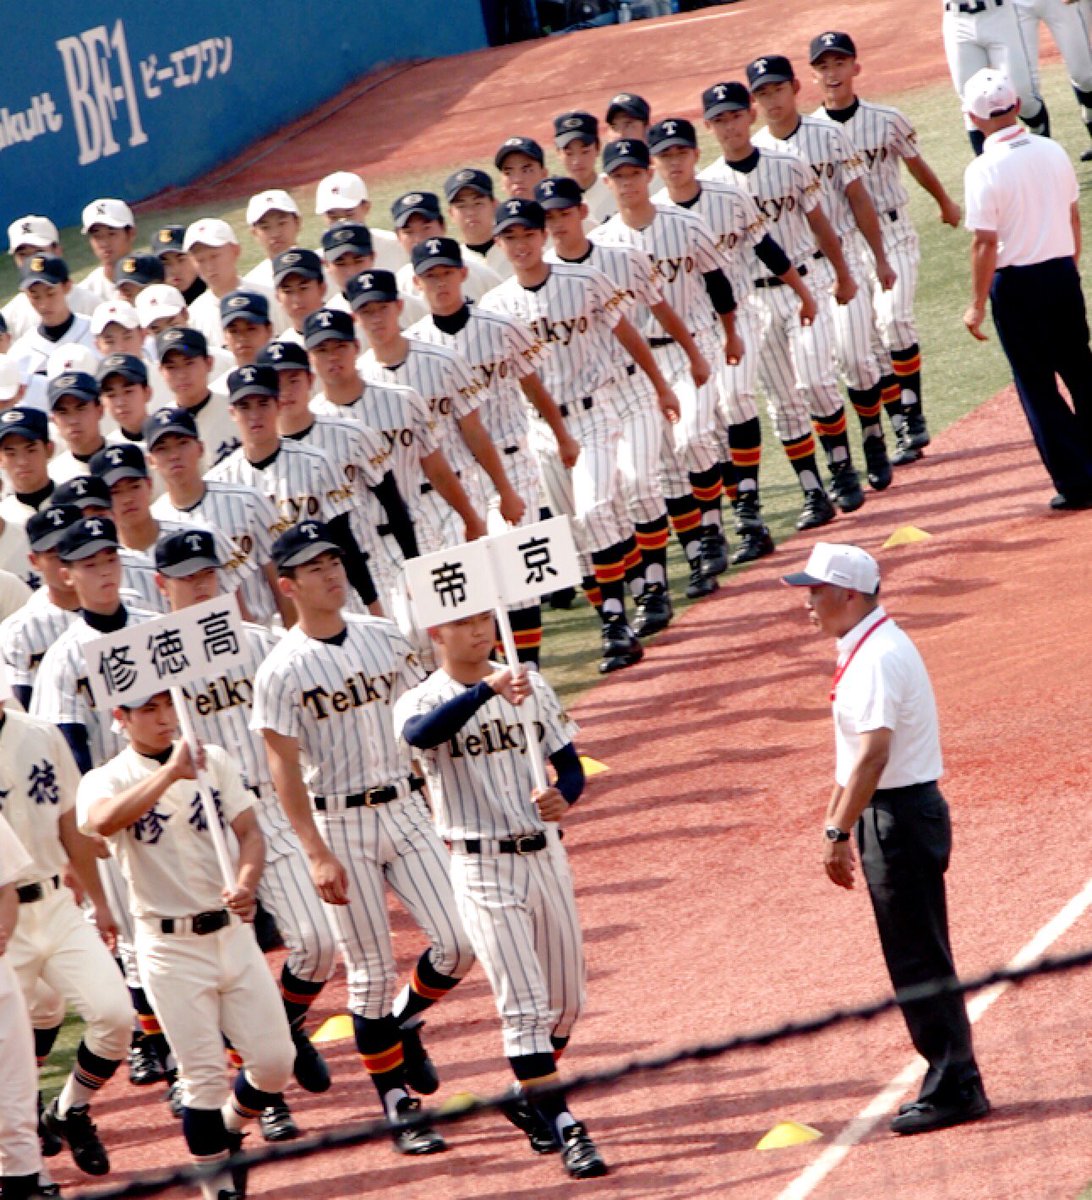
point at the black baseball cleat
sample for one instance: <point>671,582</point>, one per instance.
<point>700,584</point>
<point>238,1173</point>
<point>905,451</point>
<point>416,1139</point>
<point>654,610</point>
<point>579,1155</point>
<point>50,1143</point>
<point>78,1132</point>
<point>421,1073</point>
<point>174,1099</point>
<point>309,1068</point>
<point>714,550</point>
<point>754,537</point>
<point>817,510</point>
<point>917,430</point>
<point>845,487</point>
<point>1071,501</point>
<point>923,1116</point>
<point>540,1133</point>
<point>144,1065</point>
<point>564,598</point>
<point>620,646</point>
<point>877,464</point>
<point>1086,155</point>
<point>277,1124</point>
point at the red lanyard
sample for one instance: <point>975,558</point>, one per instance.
<point>845,666</point>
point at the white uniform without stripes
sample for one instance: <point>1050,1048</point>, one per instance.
<point>336,698</point>
<point>205,313</point>
<point>26,635</point>
<point>15,550</point>
<point>480,277</point>
<point>216,428</point>
<point>519,910</point>
<point>33,350</point>
<point>20,315</point>
<point>571,316</point>
<point>986,33</point>
<point>796,362</point>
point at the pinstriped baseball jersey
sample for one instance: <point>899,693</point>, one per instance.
<point>27,634</point>
<point>62,693</point>
<point>440,376</point>
<point>480,781</point>
<point>402,418</point>
<point>500,351</point>
<point>247,517</point>
<point>832,158</point>
<point>882,137</point>
<point>336,698</point>
<point>138,586</point>
<point>571,314</point>
<point>299,480</point>
<point>682,248</point>
<point>785,191</point>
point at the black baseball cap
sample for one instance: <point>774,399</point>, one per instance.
<point>141,269</point>
<point>631,105</point>
<point>252,381</point>
<point>43,268</point>
<point>559,191</point>
<point>425,204</point>
<point>344,236</point>
<point>772,68</point>
<point>164,421</point>
<point>24,422</point>
<point>84,491</point>
<point>675,131</point>
<point>436,252</point>
<point>731,96</point>
<point>112,464</point>
<point>191,342</point>
<point>626,152</point>
<point>572,125</point>
<point>833,42</point>
<point>367,287</point>
<point>128,366</point>
<point>46,528</point>
<point>87,536</point>
<point>519,145</point>
<point>72,383</point>
<point>518,211</point>
<point>252,307</point>
<point>301,543</point>
<point>283,356</point>
<point>169,240</point>
<point>328,324</point>
<point>305,263</point>
<point>468,177</point>
<point>185,552</point>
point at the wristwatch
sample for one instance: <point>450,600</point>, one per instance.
<point>834,834</point>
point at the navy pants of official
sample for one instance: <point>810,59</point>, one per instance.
<point>1040,317</point>
<point>905,839</point>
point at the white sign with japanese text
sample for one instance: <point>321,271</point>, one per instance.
<point>530,561</point>
<point>451,584</point>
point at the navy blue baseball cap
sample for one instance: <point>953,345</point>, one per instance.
<point>675,131</point>
<point>141,269</point>
<point>283,356</point>
<point>46,528</point>
<point>305,263</point>
<point>831,42</point>
<point>425,204</point>
<point>43,268</point>
<point>124,460</point>
<point>572,125</point>
<point>329,324</point>
<point>772,68</point>
<point>191,342</point>
<point>301,543</point>
<point>519,145</point>
<point>166,421</point>
<point>72,383</point>
<point>626,152</point>
<point>243,305</point>
<point>559,191</point>
<point>24,422</point>
<point>518,211</point>
<point>169,240</point>
<point>87,536</point>
<point>344,237</point>
<point>436,252</point>
<point>185,552</point>
<point>630,105</point>
<point>731,96</point>
<point>128,366</point>
<point>83,492</point>
<point>252,381</point>
<point>366,288</point>
<point>468,177</point>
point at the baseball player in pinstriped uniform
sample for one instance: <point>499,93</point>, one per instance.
<point>743,237</point>
<point>1070,33</point>
<point>512,881</point>
<point>834,161</point>
<point>323,702</point>
<point>470,205</point>
<point>417,217</point>
<point>796,360</point>
<point>576,138</point>
<point>884,137</point>
<point>348,251</point>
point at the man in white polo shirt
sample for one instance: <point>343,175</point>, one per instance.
<point>887,765</point>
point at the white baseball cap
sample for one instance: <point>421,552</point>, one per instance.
<point>276,200</point>
<point>72,357</point>
<point>209,231</point>
<point>11,378</point>
<point>158,301</point>
<point>115,213</point>
<point>114,312</point>
<point>342,189</point>
<point>38,232</point>
<point>988,93</point>
<point>841,565</point>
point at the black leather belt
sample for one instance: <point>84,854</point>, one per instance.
<point>584,402</point>
<point>631,369</point>
<point>373,796</point>
<point>892,214</point>
<point>201,923</point>
<point>383,530</point>
<point>773,281</point>
<point>970,7</point>
<point>510,450</point>
<point>30,892</point>
<point>656,343</point>
<point>529,843</point>
<point>426,488</point>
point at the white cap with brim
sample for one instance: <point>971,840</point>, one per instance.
<point>839,566</point>
<point>38,232</point>
<point>988,94</point>
<point>209,231</point>
<point>114,213</point>
<point>159,301</point>
<point>341,190</point>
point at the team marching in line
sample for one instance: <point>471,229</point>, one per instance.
<point>594,342</point>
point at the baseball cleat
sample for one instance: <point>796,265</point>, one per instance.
<point>78,1132</point>
<point>416,1139</point>
<point>755,542</point>
<point>654,610</point>
<point>905,451</point>
<point>817,510</point>
<point>174,1099</point>
<point>309,1069</point>
<point>50,1143</point>
<point>277,1123</point>
<point>579,1155</point>
<point>144,1065</point>
<point>917,430</point>
<point>877,464</point>
<point>420,1070</point>
<point>845,487</point>
<point>540,1133</point>
<point>714,550</point>
<point>620,647</point>
<point>700,584</point>
<point>1086,155</point>
<point>45,1188</point>
<point>238,1174</point>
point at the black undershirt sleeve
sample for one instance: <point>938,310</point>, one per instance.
<point>720,291</point>
<point>356,561</point>
<point>398,518</point>
<point>76,737</point>
<point>427,730</point>
<point>770,254</point>
<point>570,772</point>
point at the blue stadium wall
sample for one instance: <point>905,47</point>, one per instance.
<point>123,99</point>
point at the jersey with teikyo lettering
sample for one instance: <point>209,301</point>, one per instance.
<point>882,137</point>
<point>682,248</point>
<point>500,351</point>
<point>480,781</point>
<point>830,156</point>
<point>28,633</point>
<point>443,380</point>
<point>336,699</point>
<point>571,314</point>
<point>785,191</point>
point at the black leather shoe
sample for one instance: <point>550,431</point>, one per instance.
<point>144,1065</point>
<point>917,430</point>
<point>579,1155</point>
<point>700,584</point>
<point>654,611</point>
<point>905,451</point>
<point>50,1143</point>
<point>78,1132</point>
<point>277,1123</point>
<point>845,487</point>
<point>620,646</point>
<point>817,510</point>
<point>714,551</point>
<point>309,1068</point>
<point>417,1139</point>
<point>540,1133</point>
<point>421,1073</point>
<point>877,464</point>
<point>923,1116</point>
